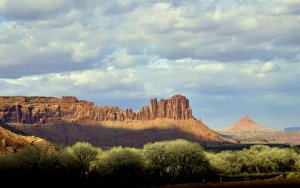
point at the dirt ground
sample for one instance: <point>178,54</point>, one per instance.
<point>244,184</point>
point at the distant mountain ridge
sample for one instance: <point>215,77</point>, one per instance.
<point>292,129</point>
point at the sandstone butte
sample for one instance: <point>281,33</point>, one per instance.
<point>43,110</point>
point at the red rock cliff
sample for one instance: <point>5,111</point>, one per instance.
<point>175,108</point>
<point>41,110</point>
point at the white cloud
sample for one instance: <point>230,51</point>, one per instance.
<point>121,58</point>
<point>220,51</point>
<point>83,32</point>
<point>79,50</point>
<point>210,67</point>
<point>269,67</point>
<point>176,77</point>
<point>207,85</point>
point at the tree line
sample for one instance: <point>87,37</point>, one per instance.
<point>155,163</point>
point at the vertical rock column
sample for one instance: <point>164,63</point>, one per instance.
<point>161,108</point>
<point>18,113</point>
<point>175,108</point>
<point>153,109</point>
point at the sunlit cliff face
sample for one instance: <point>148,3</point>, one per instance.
<point>228,57</point>
<point>47,110</point>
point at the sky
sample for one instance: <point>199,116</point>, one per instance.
<point>229,58</point>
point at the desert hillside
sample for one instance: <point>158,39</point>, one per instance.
<point>67,120</point>
<point>131,133</point>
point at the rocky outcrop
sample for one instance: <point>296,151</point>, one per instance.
<point>11,142</point>
<point>176,108</point>
<point>43,110</point>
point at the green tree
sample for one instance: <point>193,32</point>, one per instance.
<point>297,163</point>
<point>284,159</point>
<point>32,161</point>
<point>225,162</point>
<point>80,157</point>
<point>254,160</point>
<point>178,160</point>
<point>121,164</point>
<point>263,159</point>
<point>37,157</point>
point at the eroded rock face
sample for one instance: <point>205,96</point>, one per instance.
<point>42,110</point>
<point>177,108</point>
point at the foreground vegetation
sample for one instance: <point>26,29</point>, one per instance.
<point>156,163</point>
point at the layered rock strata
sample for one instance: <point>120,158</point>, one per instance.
<point>43,110</point>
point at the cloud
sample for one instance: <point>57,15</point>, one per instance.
<point>31,9</point>
<point>269,67</point>
<point>120,7</point>
<point>286,7</point>
<point>211,78</point>
<point>122,59</point>
<point>128,33</point>
<point>211,87</point>
<point>224,55</point>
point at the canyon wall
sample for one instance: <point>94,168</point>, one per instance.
<point>47,110</point>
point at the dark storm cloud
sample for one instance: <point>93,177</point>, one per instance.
<point>32,10</point>
<point>41,64</point>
